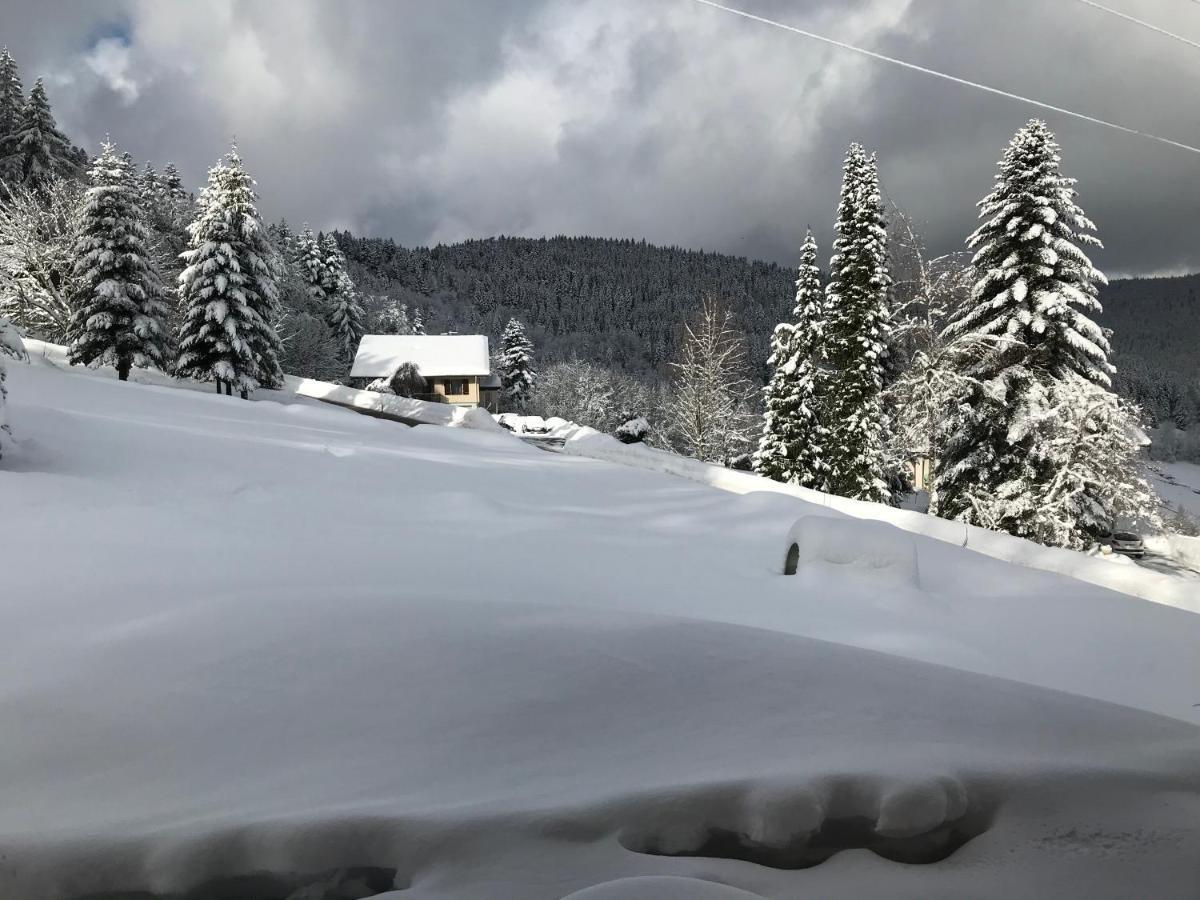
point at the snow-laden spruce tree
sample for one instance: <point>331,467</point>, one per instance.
<point>791,448</point>
<point>857,335</point>
<point>310,260</point>
<point>515,367</point>
<point>12,103</point>
<point>38,152</point>
<point>334,269</point>
<point>172,183</point>
<point>344,314</point>
<point>1033,281</point>
<point>418,322</point>
<point>1034,289</point>
<point>121,310</point>
<point>229,289</point>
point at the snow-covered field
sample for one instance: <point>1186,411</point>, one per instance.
<point>265,647</point>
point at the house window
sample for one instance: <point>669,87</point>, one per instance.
<point>456,387</point>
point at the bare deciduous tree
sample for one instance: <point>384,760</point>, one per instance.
<point>711,411</point>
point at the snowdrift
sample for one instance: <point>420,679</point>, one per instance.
<point>873,549</point>
<point>259,650</point>
<point>1139,582</point>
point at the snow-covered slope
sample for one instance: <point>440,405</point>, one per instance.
<point>1113,572</point>
<point>263,647</point>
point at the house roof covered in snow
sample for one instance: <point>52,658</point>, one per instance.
<point>434,354</point>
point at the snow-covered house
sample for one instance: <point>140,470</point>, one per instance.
<point>456,367</point>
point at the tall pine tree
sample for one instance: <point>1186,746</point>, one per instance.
<point>1033,288</point>
<point>344,315</point>
<point>12,104</point>
<point>857,335</point>
<point>792,446</point>
<point>1003,464</point>
<point>310,260</point>
<point>121,310</point>
<point>229,289</point>
<point>515,364</point>
<point>38,151</point>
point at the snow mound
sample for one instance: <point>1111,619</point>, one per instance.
<point>874,548</point>
<point>1168,590</point>
<point>662,887</point>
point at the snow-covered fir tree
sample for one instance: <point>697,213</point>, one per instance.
<point>121,311</point>
<point>229,288</point>
<point>515,366</point>
<point>150,188</point>
<point>334,270</point>
<point>791,448</point>
<point>1033,280</point>
<point>38,151</point>
<point>12,104</point>
<point>1033,293</point>
<point>344,314</point>
<point>172,183</point>
<point>393,319</point>
<point>285,241</point>
<point>418,322</point>
<point>856,335</point>
<point>310,260</point>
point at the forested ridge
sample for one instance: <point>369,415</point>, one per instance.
<point>622,302</point>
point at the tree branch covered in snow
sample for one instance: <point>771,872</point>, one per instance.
<point>37,257</point>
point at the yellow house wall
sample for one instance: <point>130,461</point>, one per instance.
<point>470,398</point>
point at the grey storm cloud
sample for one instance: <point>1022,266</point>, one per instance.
<point>661,119</point>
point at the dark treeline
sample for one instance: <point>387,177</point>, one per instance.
<point>1156,325</point>
<point>619,303</point>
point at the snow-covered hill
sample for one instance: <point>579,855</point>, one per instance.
<point>251,649</point>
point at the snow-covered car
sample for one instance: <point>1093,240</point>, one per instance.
<point>1124,542</point>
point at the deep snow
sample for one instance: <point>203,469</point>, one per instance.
<point>285,639</point>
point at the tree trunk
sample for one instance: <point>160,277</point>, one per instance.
<point>219,389</point>
<point>123,367</point>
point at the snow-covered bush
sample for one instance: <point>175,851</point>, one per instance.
<point>632,431</point>
<point>405,381</point>
<point>1080,471</point>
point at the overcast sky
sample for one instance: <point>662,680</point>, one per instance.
<point>663,119</point>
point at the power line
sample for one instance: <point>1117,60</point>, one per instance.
<point>1142,23</point>
<point>954,78</point>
